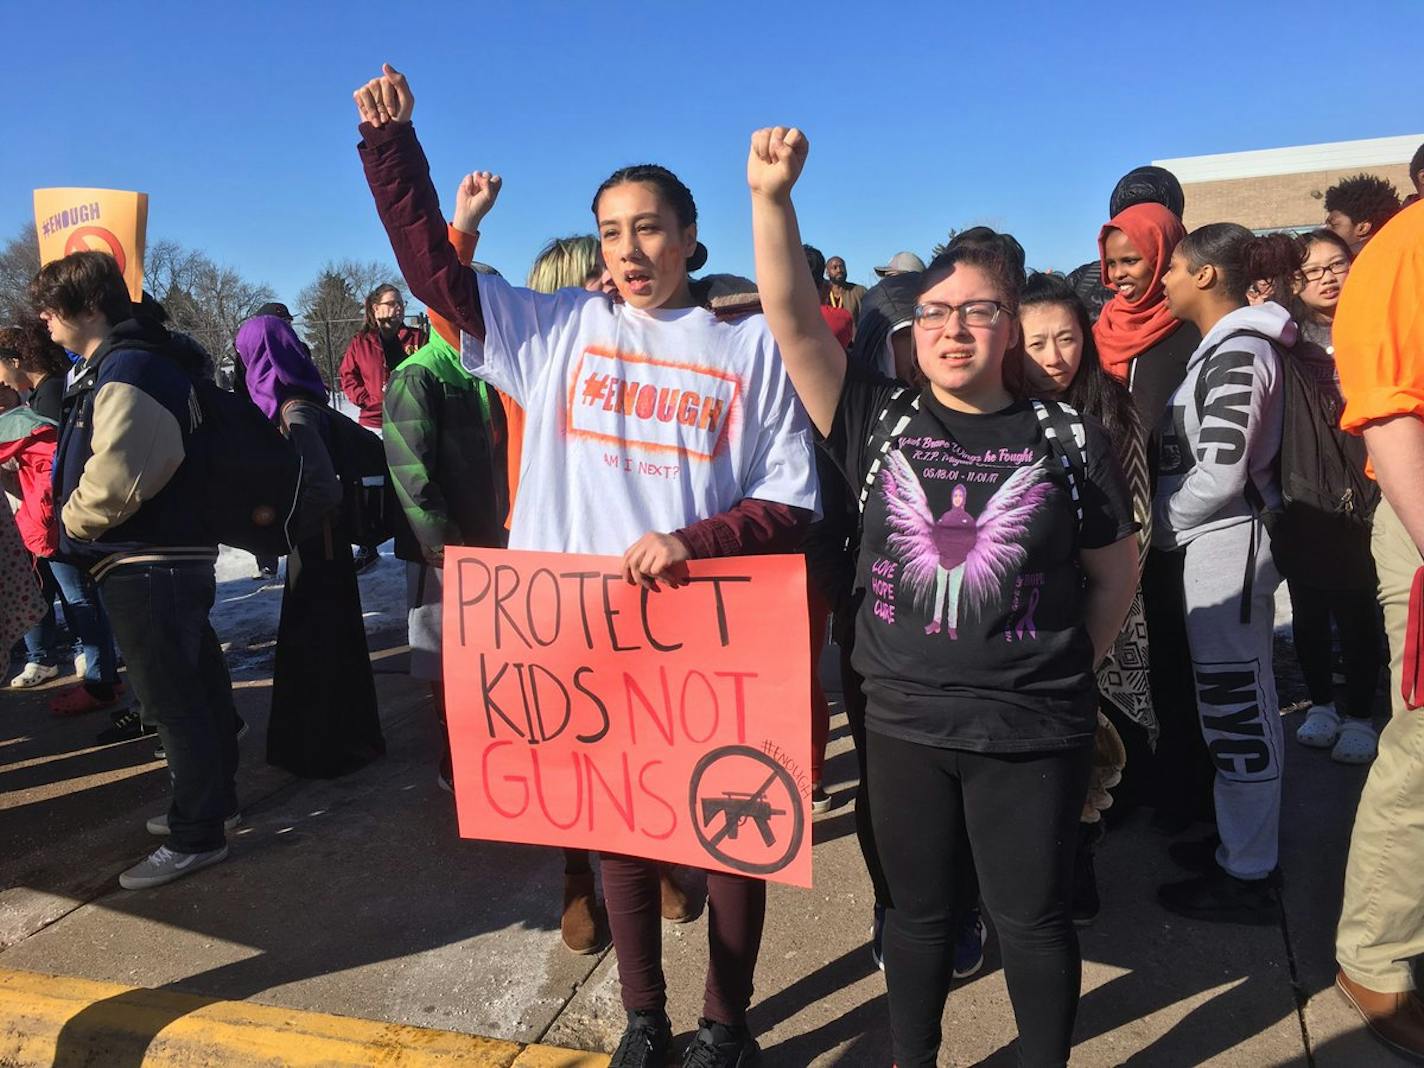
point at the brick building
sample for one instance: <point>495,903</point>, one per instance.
<point>1284,188</point>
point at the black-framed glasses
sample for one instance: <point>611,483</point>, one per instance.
<point>980,313</point>
<point>1315,272</point>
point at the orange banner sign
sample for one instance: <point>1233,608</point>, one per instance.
<point>99,220</point>
<point>673,725</point>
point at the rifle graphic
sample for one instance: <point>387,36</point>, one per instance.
<point>736,808</point>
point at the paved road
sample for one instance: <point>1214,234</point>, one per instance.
<point>357,898</point>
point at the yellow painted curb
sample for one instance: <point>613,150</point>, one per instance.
<point>48,1020</point>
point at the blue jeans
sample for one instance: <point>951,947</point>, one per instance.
<point>160,617</point>
<point>83,612</point>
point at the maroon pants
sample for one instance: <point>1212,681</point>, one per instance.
<point>736,911</point>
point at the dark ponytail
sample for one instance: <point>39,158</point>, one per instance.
<point>1240,257</point>
<point>670,190</point>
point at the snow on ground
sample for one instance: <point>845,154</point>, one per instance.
<point>246,610</point>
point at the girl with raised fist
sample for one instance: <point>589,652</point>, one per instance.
<point>997,564</point>
<point>743,485</point>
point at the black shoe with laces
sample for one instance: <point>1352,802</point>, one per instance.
<point>127,725</point>
<point>646,1043</point>
<point>719,1045</point>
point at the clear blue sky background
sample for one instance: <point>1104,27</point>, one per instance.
<point>238,122</point>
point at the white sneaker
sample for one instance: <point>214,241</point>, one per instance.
<point>33,675</point>
<point>164,865</point>
<point>1321,727</point>
<point>1358,743</point>
<point>159,824</point>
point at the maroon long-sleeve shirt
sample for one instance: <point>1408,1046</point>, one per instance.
<point>399,176</point>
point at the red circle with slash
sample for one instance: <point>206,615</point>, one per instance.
<point>82,240</point>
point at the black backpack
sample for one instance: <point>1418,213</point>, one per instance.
<point>370,512</point>
<point>252,474</point>
<point>1321,468</point>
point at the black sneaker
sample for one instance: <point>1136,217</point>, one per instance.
<point>159,753</point>
<point>646,1043</point>
<point>127,725</point>
<point>719,1045</point>
<point>1221,898</point>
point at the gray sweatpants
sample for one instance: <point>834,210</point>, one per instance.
<point>1236,691</point>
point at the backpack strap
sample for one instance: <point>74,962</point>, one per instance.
<point>899,409</point>
<point>1068,441</point>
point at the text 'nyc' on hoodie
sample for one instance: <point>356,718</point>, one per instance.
<point>1209,456</point>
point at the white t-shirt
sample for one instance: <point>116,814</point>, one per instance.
<point>637,420</point>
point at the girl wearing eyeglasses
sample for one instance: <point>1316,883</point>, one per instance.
<point>987,604</point>
<point>1344,592</point>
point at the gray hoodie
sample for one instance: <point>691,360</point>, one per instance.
<point>1207,458</point>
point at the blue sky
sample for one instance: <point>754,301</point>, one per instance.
<point>922,117</point>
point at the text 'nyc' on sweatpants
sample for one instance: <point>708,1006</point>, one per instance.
<point>1236,689</point>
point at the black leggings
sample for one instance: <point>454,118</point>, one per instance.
<point>1018,816</point>
<point>1357,618</point>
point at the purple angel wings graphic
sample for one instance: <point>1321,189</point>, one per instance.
<point>959,553</point>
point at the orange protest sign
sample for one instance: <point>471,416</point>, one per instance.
<point>102,220</point>
<point>673,725</point>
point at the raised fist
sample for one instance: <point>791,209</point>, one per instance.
<point>775,160</point>
<point>385,99</point>
<point>473,200</point>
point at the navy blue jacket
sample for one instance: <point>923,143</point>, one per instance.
<point>125,488</point>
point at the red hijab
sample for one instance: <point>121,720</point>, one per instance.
<point>1126,330</point>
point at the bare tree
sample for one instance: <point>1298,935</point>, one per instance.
<point>203,299</point>
<point>19,263</point>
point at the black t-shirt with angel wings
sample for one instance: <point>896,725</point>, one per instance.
<point>971,632</point>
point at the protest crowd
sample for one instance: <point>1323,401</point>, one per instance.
<point>1043,516</point>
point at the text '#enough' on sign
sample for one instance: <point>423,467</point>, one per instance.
<point>673,725</point>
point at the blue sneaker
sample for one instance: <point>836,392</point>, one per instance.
<point>969,945</point>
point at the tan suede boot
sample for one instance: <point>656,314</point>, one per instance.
<point>676,907</point>
<point>1397,1020</point>
<point>581,921</point>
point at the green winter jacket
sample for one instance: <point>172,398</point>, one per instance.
<point>445,436</point>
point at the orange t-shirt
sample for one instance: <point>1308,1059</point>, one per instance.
<point>464,245</point>
<point>1378,332</point>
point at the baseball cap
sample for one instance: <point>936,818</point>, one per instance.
<point>901,263</point>
<point>273,308</point>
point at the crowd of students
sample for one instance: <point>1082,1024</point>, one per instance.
<point>1045,519</point>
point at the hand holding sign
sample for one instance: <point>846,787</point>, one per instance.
<point>385,99</point>
<point>655,557</point>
